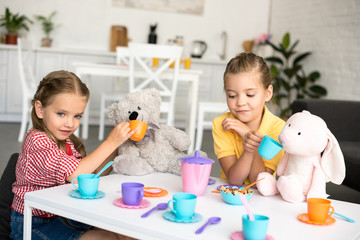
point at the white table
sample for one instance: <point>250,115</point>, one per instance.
<point>102,213</point>
<point>185,75</point>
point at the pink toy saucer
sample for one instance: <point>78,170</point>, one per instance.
<point>119,203</point>
<point>240,236</point>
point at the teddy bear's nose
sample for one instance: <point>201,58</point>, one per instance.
<point>133,115</point>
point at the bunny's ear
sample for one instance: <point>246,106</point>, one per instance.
<point>332,160</point>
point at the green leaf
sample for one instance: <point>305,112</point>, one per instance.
<point>274,60</point>
<point>314,76</point>
<point>300,57</point>
<point>318,90</point>
<point>273,46</point>
<point>286,41</point>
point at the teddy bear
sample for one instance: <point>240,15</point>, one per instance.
<point>161,146</point>
<point>312,158</point>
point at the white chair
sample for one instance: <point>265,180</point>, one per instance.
<point>154,77</point>
<point>122,57</point>
<point>202,122</point>
<point>28,85</point>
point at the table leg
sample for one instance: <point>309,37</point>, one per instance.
<point>193,92</point>
<point>27,221</point>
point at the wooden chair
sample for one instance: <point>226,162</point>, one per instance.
<point>28,87</point>
<point>162,79</point>
<point>203,122</point>
<point>106,98</point>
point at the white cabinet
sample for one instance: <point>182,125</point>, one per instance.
<point>47,60</point>
<point>3,79</point>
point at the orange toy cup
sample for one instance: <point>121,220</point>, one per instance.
<point>141,129</point>
<point>318,209</point>
<point>155,62</point>
<point>187,63</point>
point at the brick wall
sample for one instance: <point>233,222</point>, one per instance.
<point>331,30</point>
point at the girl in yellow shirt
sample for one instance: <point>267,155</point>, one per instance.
<point>238,133</point>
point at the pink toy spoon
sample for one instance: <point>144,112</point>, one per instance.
<point>154,190</point>
<point>246,205</point>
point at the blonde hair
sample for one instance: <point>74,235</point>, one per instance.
<point>54,83</point>
<point>247,62</point>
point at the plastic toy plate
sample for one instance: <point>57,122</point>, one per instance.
<point>76,194</point>
<point>162,193</point>
<point>119,203</point>
<point>240,236</point>
<point>169,215</point>
<point>304,217</point>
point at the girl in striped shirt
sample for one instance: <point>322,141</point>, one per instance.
<point>52,155</point>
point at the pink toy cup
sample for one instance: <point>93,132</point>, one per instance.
<point>195,172</point>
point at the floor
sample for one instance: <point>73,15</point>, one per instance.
<point>8,145</point>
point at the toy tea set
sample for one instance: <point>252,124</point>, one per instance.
<point>195,171</point>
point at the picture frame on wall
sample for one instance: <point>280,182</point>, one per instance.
<point>184,6</point>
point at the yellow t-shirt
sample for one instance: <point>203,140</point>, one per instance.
<point>229,143</point>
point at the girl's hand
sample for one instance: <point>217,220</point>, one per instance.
<point>235,125</point>
<point>252,140</point>
<point>120,133</point>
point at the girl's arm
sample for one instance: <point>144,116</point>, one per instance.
<point>111,157</point>
<point>91,162</point>
<point>249,164</point>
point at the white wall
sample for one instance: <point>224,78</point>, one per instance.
<point>331,30</point>
<point>86,23</point>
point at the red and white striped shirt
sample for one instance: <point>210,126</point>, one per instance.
<point>41,164</point>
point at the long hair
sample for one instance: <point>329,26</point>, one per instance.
<point>54,83</point>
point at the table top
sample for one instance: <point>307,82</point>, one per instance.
<point>109,66</point>
<point>103,213</point>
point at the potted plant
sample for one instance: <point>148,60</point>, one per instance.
<point>13,24</point>
<point>47,26</point>
<point>290,81</point>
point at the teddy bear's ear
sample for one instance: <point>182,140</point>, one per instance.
<point>113,113</point>
<point>155,93</point>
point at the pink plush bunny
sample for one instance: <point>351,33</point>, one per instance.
<point>312,158</point>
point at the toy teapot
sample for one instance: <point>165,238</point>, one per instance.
<point>195,172</point>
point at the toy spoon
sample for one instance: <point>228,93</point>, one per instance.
<point>160,206</point>
<point>246,205</point>
<point>212,220</point>
<point>346,218</point>
<point>242,191</point>
<point>103,169</point>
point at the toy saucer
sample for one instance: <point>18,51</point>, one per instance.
<point>77,194</point>
<point>304,217</point>
<point>169,215</point>
<point>119,203</point>
<point>240,236</point>
<point>162,193</point>
<point>211,181</point>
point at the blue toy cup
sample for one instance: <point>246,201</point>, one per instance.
<point>87,184</point>
<point>183,205</point>
<point>257,229</point>
<point>269,148</point>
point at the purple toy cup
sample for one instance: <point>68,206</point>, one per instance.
<point>132,193</point>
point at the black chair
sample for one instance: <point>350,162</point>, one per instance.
<point>6,196</point>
